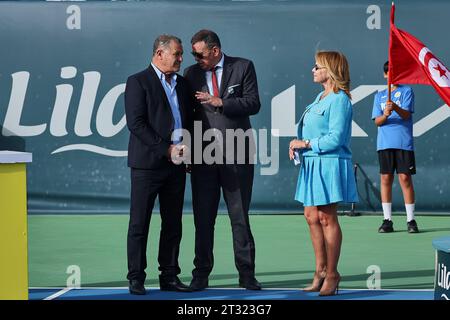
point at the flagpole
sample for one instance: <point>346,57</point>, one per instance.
<point>389,52</point>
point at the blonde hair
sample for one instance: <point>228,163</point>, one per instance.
<point>338,69</point>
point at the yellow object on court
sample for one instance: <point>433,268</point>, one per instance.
<point>13,226</point>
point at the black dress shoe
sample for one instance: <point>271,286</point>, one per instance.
<point>250,284</point>
<point>199,284</point>
<point>136,287</point>
<point>172,284</point>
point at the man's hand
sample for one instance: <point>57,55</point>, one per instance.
<point>178,153</point>
<point>206,98</point>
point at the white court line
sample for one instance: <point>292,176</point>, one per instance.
<point>216,288</point>
<point>57,294</point>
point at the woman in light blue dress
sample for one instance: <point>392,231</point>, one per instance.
<point>326,172</point>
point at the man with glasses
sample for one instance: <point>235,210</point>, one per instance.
<point>226,90</point>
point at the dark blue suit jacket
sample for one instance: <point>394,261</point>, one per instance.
<point>239,93</point>
<point>150,119</point>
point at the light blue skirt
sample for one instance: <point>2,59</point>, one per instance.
<point>326,180</point>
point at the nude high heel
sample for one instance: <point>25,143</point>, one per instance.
<point>333,290</point>
<point>317,283</point>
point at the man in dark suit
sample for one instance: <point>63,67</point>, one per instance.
<point>227,94</point>
<point>158,104</point>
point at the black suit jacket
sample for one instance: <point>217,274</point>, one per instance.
<point>150,120</point>
<point>239,93</point>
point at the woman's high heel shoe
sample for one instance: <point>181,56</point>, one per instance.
<point>333,290</point>
<point>316,284</point>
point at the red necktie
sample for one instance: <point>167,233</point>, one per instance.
<point>214,82</point>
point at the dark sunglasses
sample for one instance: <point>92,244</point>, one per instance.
<point>316,67</point>
<point>198,55</point>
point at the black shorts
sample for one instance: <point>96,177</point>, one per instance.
<point>402,161</point>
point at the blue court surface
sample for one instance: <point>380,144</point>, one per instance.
<point>224,294</point>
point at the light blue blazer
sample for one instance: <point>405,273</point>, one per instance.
<point>328,125</point>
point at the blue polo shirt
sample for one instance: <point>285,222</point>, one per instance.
<point>395,133</point>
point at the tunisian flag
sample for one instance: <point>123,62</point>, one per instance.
<point>411,62</point>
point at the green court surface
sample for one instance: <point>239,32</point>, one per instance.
<point>284,256</point>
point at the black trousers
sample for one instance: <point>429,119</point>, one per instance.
<point>236,182</point>
<point>169,184</point>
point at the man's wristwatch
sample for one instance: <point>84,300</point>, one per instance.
<point>307,145</point>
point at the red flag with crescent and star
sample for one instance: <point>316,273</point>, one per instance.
<point>411,62</point>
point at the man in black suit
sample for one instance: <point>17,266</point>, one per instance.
<point>158,104</point>
<point>227,94</point>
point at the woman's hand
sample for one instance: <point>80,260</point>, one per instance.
<point>295,144</point>
<point>291,153</point>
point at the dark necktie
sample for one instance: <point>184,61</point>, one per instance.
<point>168,78</point>
<point>214,82</point>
